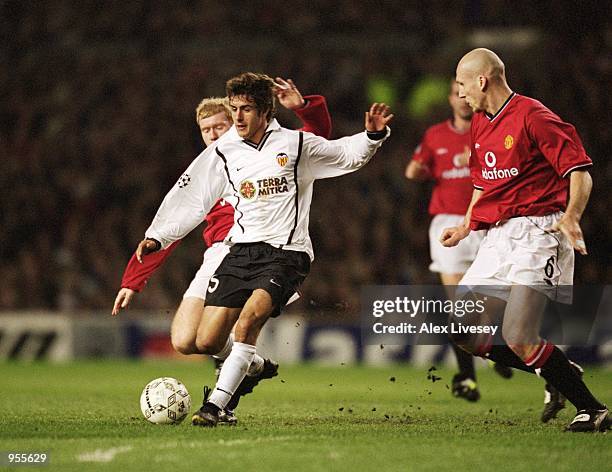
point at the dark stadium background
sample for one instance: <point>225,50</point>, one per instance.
<point>97,122</point>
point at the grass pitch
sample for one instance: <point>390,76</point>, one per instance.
<point>87,416</point>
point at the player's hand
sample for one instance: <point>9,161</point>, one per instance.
<point>146,246</point>
<point>451,236</point>
<point>570,227</point>
<point>288,94</point>
<point>377,117</point>
<point>124,297</point>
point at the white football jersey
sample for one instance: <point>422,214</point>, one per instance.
<point>269,185</point>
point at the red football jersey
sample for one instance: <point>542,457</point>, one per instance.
<point>219,221</point>
<point>439,151</point>
<point>520,158</point>
<point>220,218</point>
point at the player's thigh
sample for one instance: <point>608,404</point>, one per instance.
<point>523,316</point>
<point>186,321</point>
<point>478,310</point>
<point>212,259</point>
<point>215,326</point>
<point>230,285</point>
<point>281,278</point>
<point>539,257</point>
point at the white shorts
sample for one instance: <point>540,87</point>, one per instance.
<point>524,251</point>
<point>212,259</point>
<point>451,260</point>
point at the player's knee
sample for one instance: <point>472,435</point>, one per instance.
<point>521,350</point>
<point>515,336</point>
<point>522,339</point>
<point>184,344</point>
<point>209,345</point>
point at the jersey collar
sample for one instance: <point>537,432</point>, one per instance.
<point>501,109</point>
<point>272,126</point>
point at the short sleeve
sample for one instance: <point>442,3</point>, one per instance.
<point>558,141</point>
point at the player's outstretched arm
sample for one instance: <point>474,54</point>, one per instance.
<point>123,299</point>
<point>581,184</point>
<point>137,273</point>
<point>325,159</point>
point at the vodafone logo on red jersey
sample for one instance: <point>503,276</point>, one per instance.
<point>493,173</point>
<point>458,171</point>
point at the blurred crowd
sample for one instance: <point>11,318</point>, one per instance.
<point>97,122</point>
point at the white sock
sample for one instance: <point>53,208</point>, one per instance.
<point>233,371</point>
<point>223,353</point>
<point>256,366</point>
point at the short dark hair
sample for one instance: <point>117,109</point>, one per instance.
<point>257,87</point>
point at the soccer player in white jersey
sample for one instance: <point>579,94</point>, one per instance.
<point>268,173</point>
<point>214,119</point>
<point>530,174</point>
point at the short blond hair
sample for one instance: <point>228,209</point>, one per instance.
<point>211,106</point>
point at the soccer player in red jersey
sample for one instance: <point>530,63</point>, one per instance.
<point>531,186</point>
<point>442,156</point>
<point>214,119</point>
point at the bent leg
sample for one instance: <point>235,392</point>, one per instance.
<point>199,330</point>
<point>485,345</point>
<point>522,335</point>
<point>214,329</point>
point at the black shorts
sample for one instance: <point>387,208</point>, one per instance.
<point>257,265</point>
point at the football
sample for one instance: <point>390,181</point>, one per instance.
<point>165,401</point>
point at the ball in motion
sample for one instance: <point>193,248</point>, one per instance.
<point>165,401</point>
